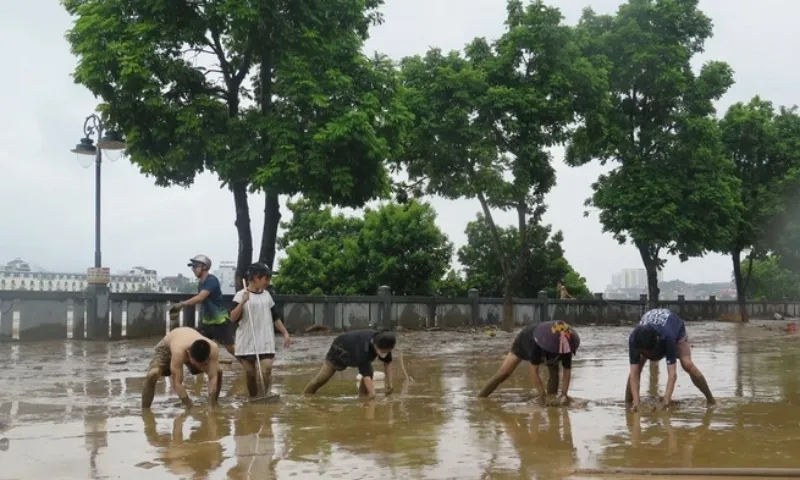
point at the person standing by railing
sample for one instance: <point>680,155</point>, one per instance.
<point>215,324</point>
<point>563,293</point>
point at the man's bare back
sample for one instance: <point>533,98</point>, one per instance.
<point>180,339</point>
<point>183,346</point>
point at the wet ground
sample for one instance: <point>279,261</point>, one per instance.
<point>70,410</point>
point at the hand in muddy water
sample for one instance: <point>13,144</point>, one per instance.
<point>550,400</point>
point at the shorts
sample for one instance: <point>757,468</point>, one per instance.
<point>337,357</point>
<point>222,333</point>
<point>162,358</point>
<point>252,358</point>
<point>682,349</point>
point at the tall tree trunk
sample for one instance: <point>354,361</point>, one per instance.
<point>245,255</point>
<point>741,294</point>
<point>741,283</point>
<point>272,219</point>
<point>272,207</point>
<point>650,260</point>
<point>508,299</point>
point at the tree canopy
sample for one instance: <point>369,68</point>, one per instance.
<point>763,143</point>
<point>270,96</point>
<point>397,245</point>
<point>545,265</point>
<point>671,188</point>
<point>769,280</point>
<point>486,118</point>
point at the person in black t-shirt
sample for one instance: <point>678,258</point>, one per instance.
<point>358,349</point>
<point>547,342</point>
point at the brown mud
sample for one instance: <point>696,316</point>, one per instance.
<point>70,410</point>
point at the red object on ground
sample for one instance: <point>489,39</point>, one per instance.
<point>791,327</point>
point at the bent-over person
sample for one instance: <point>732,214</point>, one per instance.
<point>358,349</point>
<point>550,343</point>
<point>661,334</point>
<point>183,346</point>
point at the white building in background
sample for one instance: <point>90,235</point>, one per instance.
<point>632,279</point>
<point>18,275</point>
<point>226,274</point>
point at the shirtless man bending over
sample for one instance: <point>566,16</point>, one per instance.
<point>183,346</point>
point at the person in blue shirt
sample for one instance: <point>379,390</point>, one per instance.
<point>661,334</point>
<point>215,324</point>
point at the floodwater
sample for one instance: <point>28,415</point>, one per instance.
<point>70,410</point>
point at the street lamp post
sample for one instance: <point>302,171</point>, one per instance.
<point>98,293</point>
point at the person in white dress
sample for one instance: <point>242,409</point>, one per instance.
<point>255,306</point>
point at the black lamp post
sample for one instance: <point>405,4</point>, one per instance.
<point>98,284</point>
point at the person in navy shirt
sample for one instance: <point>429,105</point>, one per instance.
<point>215,324</point>
<point>661,334</point>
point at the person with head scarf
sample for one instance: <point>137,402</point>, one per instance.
<point>550,343</point>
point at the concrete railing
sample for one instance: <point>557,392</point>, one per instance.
<point>31,315</point>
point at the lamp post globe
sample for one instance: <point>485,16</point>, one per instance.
<point>85,147</point>
<point>112,140</point>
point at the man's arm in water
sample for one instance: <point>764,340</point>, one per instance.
<point>533,372</point>
<point>635,376</point>
<point>176,375</point>
<point>387,369</point>
<point>213,379</point>
<point>370,386</point>
<point>366,371</point>
<point>634,357</point>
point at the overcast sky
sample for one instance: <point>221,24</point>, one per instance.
<point>46,197</point>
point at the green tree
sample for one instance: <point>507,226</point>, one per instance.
<point>398,245</point>
<point>485,121</point>
<point>672,188</point>
<point>452,285</point>
<point>270,96</point>
<point>545,263</point>
<point>769,280</point>
<point>763,144</point>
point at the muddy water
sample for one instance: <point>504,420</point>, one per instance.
<point>70,410</point>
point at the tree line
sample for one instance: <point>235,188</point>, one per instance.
<point>279,97</point>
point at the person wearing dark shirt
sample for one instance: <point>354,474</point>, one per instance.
<point>661,334</point>
<point>215,324</point>
<point>357,349</point>
<point>550,343</point>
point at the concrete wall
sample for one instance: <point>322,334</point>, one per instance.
<point>26,315</point>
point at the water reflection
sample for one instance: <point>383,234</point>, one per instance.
<point>195,455</point>
<point>540,437</point>
<point>254,446</point>
<point>95,427</point>
<point>72,400</point>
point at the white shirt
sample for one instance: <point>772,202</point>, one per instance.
<point>257,313</point>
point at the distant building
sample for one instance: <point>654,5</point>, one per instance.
<point>629,283</point>
<point>18,275</point>
<point>179,284</point>
<point>632,279</point>
<point>226,273</point>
